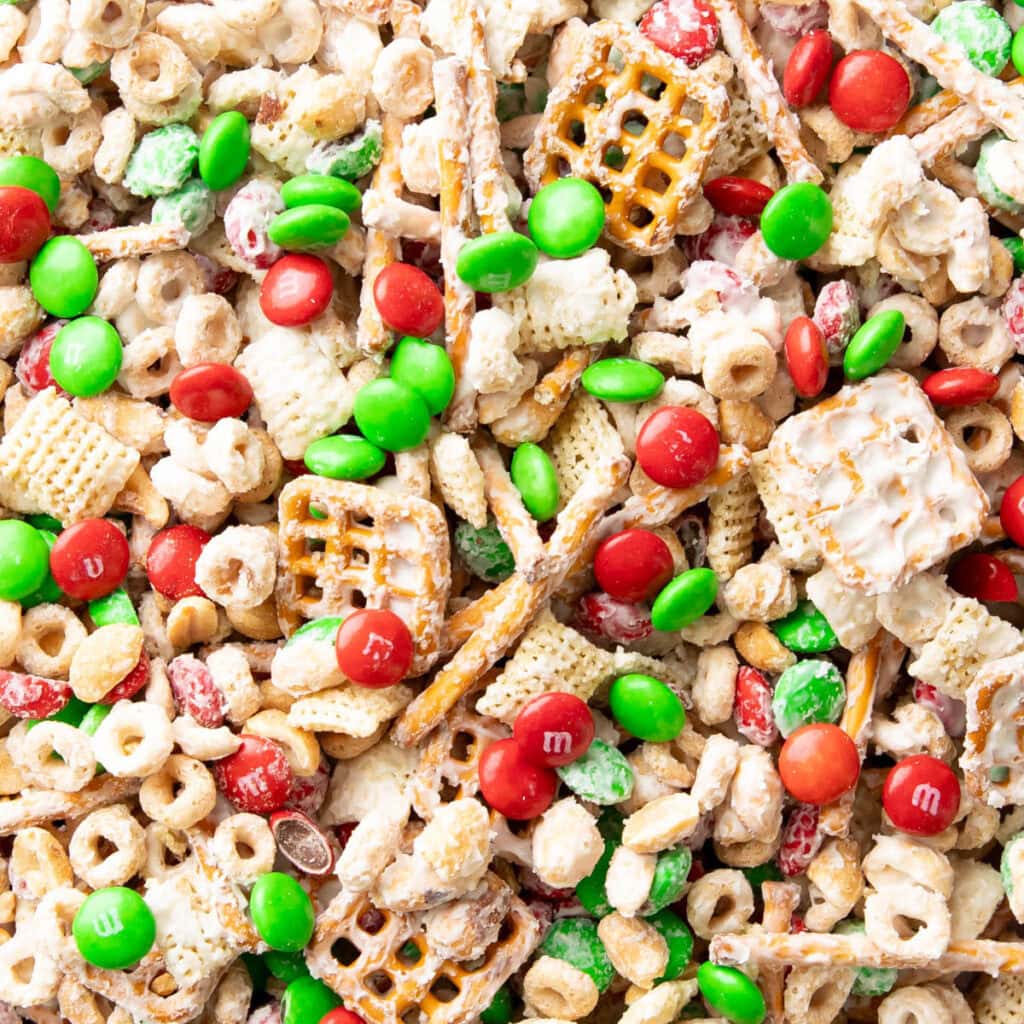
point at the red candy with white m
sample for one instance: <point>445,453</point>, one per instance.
<point>554,729</point>
<point>195,692</point>
<point>688,29</point>
<point>29,696</point>
<point>753,707</point>
<point>256,777</point>
<point>921,795</point>
<point>801,840</point>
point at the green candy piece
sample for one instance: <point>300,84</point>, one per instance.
<point>344,457</point>
<point>500,1009</point>
<point>996,171</point>
<point>31,172</point>
<point>114,928</point>
<point>224,150</point>
<point>602,775</point>
<point>162,161</point>
<point>49,592</point>
<point>24,560</point>
<point>350,159</point>
<point>797,221</point>
<point>684,600</point>
<point>191,207</point>
<point>809,691</point>
<point>306,1000</point>
<point>1015,247</point>
<point>671,873</point>
<point>484,552</point>
<point>41,521</point>
<point>731,993</point>
<point>1011,861</point>
<point>257,971</point>
<point>282,912</point>
<point>308,227</point>
<point>679,939</point>
<point>566,217</point>
<point>622,380</point>
<point>874,344</point>
<point>766,872</point>
<point>63,277</point>
<point>391,415</point>
<point>115,608</point>
<point>321,630</point>
<point>647,708</point>
<point>1017,47</point>
<point>611,824</point>
<point>977,30</point>
<point>868,981</point>
<point>535,478</point>
<point>86,356</point>
<point>575,940</point>
<point>75,712</point>
<point>321,190</point>
<point>805,630</point>
<point>93,717</point>
<point>286,967</point>
<point>497,262</point>
<point>91,72</point>
<point>591,892</point>
<point>427,369</point>
<point>510,101</point>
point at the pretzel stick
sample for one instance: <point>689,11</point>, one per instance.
<point>922,116</point>
<point>517,526</point>
<point>456,227</point>
<point>765,95</point>
<point>519,603</point>
<point>1002,106</point>
<point>372,334</point>
<point>780,901</point>
<point>135,240</point>
<point>808,949</point>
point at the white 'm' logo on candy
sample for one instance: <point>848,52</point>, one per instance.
<point>108,923</point>
<point>557,742</point>
<point>926,798</point>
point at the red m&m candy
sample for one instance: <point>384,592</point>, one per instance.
<point>960,385</point>
<point>90,559</point>
<point>869,91</point>
<point>807,68</point>
<point>211,391</point>
<point>806,356</point>
<point>1011,511</point>
<point>24,223</point>
<point>513,784</point>
<point>983,577</point>
<point>407,300</point>
<point>737,197</point>
<point>374,648</point>
<point>677,446</point>
<point>297,289</point>
<point>688,29</point>
<point>921,795</point>
<point>256,777</point>
<point>554,729</point>
<point>171,561</point>
<point>633,565</point>
<point>819,763</point>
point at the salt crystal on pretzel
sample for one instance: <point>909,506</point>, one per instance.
<point>135,240</point>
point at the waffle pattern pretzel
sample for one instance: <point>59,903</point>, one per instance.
<point>993,757</point>
<point>592,116</point>
<point>391,550</point>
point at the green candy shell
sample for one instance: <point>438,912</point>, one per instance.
<point>534,476</point>
<point>591,892</point>
<point>116,607</point>
<point>731,993</point>
<point>286,967</point>
<point>31,172</point>
<point>1017,47</point>
<point>622,380</point>
<point>162,161</point>
<point>191,207</point>
<point>323,630</point>
<point>809,691</point>
<point>566,217</point>
<point>320,190</point>
<point>427,369</point>
<point>91,72</point>
<point>306,1000</point>
<point>977,30</point>
<point>679,940</point>
<point>352,158</point>
<point>1015,247</point>
<point>282,912</point>
<point>500,1009</point>
<point>989,155</point>
<point>24,560</point>
<point>868,981</point>
<point>308,227</point>
<point>63,277</point>
<point>671,873</point>
<point>1012,857</point>
<point>647,708</point>
<point>391,415</point>
<point>484,552</point>
<point>805,630</point>
<point>602,775</point>
<point>114,928</point>
<point>874,344</point>
<point>224,150</point>
<point>497,262</point>
<point>86,356</point>
<point>48,592</point>
<point>575,940</point>
<point>684,600</point>
<point>344,457</point>
<point>797,221</point>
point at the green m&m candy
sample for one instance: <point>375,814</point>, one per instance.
<point>998,172</point>
<point>797,221</point>
<point>500,1009</point>
<point>484,552</point>
<point>391,415</point>
<point>24,560</point>
<point>622,380</point>
<point>41,521</point>
<point>868,981</point>
<point>224,150</point>
<point>566,217</point>
<point>322,190</point>
<point>257,969</point>
<point>805,630</point>
<point>190,207</point>
<point>679,940</point>
<point>976,29</point>
<point>48,592</point>
<point>684,600</point>
<point>308,227</point>
<point>115,608</point>
<point>31,172</point>
<point>91,72</point>
<point>575,940</point>
<point>874,344</point>
<point>344,457</point>
<point>282,911</point>
<point>731,993</point>
<point>497,262</point>
<point>162,161</point>
<point>1015,247</point>
<point>306,1000</point>
<point>602,775</point>
<point>1017,46</point>
<point>536,480</point>
<point>809,691</point>
<point>93,717</point>
<point>427,369</point>
<point>86,356</point>
<point>591,892</point>
<point>63,277</point>
<point>286,967</point>
<point>671,873</point>
<point>323,630</point>
<point>647,708</point>
<point>114,928</point>
<point>351,158</point>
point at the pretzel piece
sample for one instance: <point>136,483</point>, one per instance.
<point>135,240</point>
<point>781,900</point>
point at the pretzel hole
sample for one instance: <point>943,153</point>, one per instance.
<point>615,157</point>
<point>656,181</point>
<point>444,990</point>
<point>597,97</point>
<point>471,966</point>
<point>577,132</point>
<point>345,952</point>
<point>314,545</point>
<point>371,920</point>
<point>634,122</point>
<point>674,144</point>
<point>111,13</point>
<point>640,216</point>
<point>462,746</point>
<point>357,599</point>
<point>449,792</point>
<point>617,59</point>
<point>651,85</point>
<point>379,982</point>
<point>409,954</point>
<point>359,556</point>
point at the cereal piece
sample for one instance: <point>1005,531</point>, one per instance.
<point>720,901</point>
<point>180,794</point>
<point>299,745</point>
<point>352,710</point>
<point>134,740</point>
<point>238,566</point>
<point>244,847</point>
<point>734,510</point>
<point>558,989</point>
<point>371,847</point>
<point>107,827</point>
<point>457,475</point>
<point>636,949</point>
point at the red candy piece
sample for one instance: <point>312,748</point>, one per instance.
<point>296,290</point>
<point>131,684</point>
<point>983,577</point>
<point>374,648</point>
<point>195,692</point>
<point>807,69</point>
<point>721,242</point>
<point>819,763</point>
<point>216,277</point>
<point>960,386</point>
<point>869,91</point>
<point>256,777</point>
<point>603,617</point>
<point>514,785</point>
<point>921,795</point>
<point>688,29</point>
<point>1011,511</point>
<point>90,559</point>
<point>739,197</point>
<point>794,20</point>
<point>1013,312</point>
<point>33,366</point>
<point>677,446</point>
<point>339,1015</point>
<point>407,300</point>
<point>633,565</point>
<point>208,392</point>
<point>24,223</point>
<point>247,222</point>
<point>309,791</point>
<point>950,711</point>
<point>302,841</point>
<point>554,729</point>
<point>753,707</point>
<point>806,357</point>
<point>837,314</point>
<point>171,561</point>
<point>801,840</point>
<point>32,696</point>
